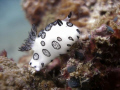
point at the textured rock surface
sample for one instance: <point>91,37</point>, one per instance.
<point>95,59</point>
<point>14,78</point>
<point>84,11</point>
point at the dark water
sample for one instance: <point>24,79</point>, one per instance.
<point>13,27</point>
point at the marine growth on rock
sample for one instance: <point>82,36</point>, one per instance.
<point>86,47</point>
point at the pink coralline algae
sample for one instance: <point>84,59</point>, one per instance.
<point>3,53</point>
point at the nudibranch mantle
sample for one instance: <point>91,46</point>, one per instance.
<point>54,40</point>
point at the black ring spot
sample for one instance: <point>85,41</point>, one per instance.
<point>30,63</point>
<point>51,60</point>
<point>43,35</point>
<point>78,37</point>
<point>60,54</point>
<point>56,45</point>
<point>42,43</point>
<point>34,66</point>
<point>78,31</point>
<point>46,52</point>
<point>70,14</point>
<point>68,45</point>
<point>48,27</point>
<point>35,56</point>
<point>70,38</point>
<point>60,23</point>
<point>69,24</point>
<point>59,39</point>
<point>55,23</point>
<point>68,50</point>
<point>42,64</point>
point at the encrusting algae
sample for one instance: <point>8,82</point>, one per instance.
<point>14,78</point>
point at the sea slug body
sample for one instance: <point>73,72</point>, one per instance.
<point>54,40</point>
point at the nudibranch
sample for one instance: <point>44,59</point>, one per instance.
<point>54,40</point>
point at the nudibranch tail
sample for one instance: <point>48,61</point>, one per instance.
<point>68,17</point>
<point>30,40</point>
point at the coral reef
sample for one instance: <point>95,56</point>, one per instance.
<point>95,60</point>
<point>106,51</point>
<point>14,78</point>
<point>85,12</point>
<point>24,60</point>
<point>3,53</point>
<point>35,9</point>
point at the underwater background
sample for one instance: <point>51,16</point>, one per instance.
<point>92,63</point>
<point>13,27</point>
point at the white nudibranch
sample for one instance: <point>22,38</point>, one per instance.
<point>54,40</point>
